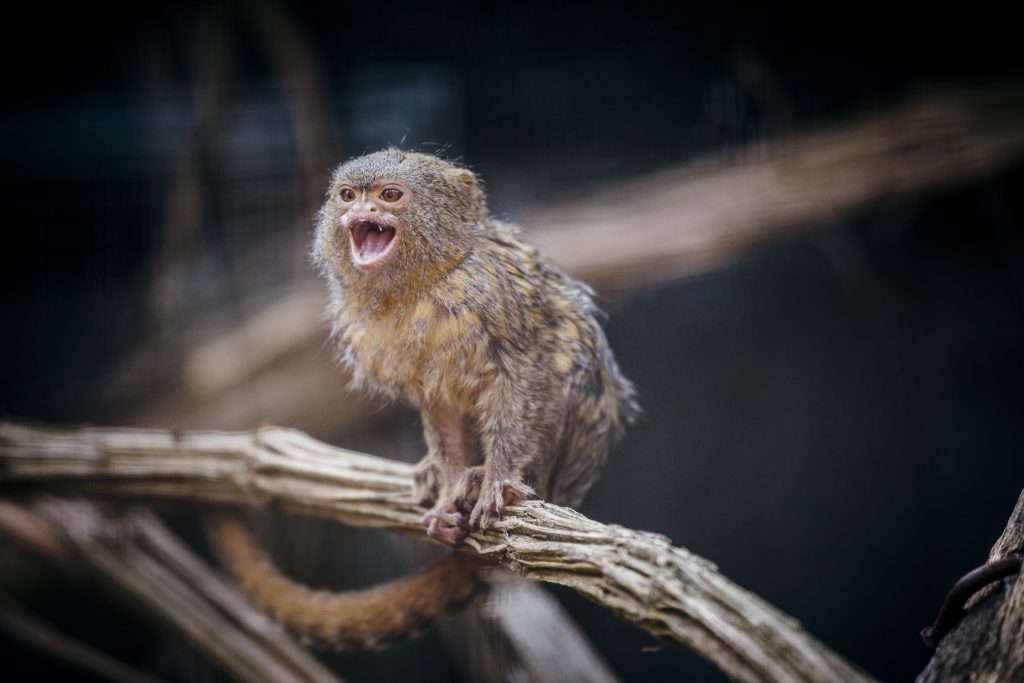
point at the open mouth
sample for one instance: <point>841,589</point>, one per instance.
<point>371,243</point>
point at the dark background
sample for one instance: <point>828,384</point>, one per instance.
<point>834,419</point>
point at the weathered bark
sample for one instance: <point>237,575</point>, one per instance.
<point>988,645</point>
<point>640,576</point>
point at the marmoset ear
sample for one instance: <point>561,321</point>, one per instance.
<point>470,192</point>
<point>469,185</point>
<point>466,177</point>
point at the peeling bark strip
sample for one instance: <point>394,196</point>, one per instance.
<point>667,591</point>
<point>988,645</point>
<point>954,607</point>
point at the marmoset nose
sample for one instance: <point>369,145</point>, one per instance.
<point>360,204</point>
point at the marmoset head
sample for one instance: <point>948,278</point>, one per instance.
<point>396,214</point>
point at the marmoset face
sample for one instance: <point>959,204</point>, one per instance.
<point>396,219</point>
<point>372,221</point>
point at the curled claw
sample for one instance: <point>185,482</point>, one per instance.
<point>446,524</point>
<point>494,496</point>
<point>447,515</point>
<point>467,488</point>
<point>514,492</point>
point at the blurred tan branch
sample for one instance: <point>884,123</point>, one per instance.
<point>693,218</point>
<point>135,556</point>
<point>522,633</point>
<point>639,576</point>
<point>282,40</point>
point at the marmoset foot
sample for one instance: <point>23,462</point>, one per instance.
<point>494,496</point>
<point>446,524</point>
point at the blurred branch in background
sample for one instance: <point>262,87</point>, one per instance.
<point>194,205</point>
<point>187,201</point>
<point>281,39</point>
<point>136,558</point>
<point>521,633</point>
<point>691,219</point>
<point>35,633</point>
<point>194,201</point>
<point>641,577</point>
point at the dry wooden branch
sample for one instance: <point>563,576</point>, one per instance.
<point>988,645</point>
<point>135,556</point>
<point>640,576</point>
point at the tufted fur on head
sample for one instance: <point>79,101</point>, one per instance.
<point>440,223</point>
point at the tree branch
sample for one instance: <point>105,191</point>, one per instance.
<point>988,645</point>
<point>640,576</point>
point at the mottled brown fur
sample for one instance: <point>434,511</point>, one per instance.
<point>500,351</point>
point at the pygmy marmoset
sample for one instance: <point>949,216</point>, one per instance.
<point>435,301</point>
